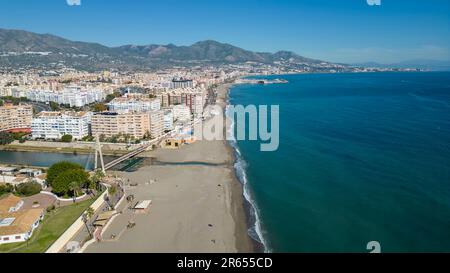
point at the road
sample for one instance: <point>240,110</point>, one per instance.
<point>40,107</point>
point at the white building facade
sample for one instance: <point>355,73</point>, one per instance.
<point>168,120</point>
<point>134,105</point>
<point>156,123</point>
<point>73,96</point>
<point>181,113</point>
<point>54,125</point>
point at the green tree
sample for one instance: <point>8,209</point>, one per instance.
<point>5,138</point>
<point>59,168</point>
<point>70,182</point>
<point>54,106</point>
<point>110,97</point>
<point>100,107</point>
<point>67,138</point>
<point>75,188</point>
<point>96,179</point>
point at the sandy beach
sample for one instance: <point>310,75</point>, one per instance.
<point>197,203</point>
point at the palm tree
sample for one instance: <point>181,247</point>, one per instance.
<point>112,190</point>
<point>87,215</point>
<point>97,178</point>
<point>75,188</point>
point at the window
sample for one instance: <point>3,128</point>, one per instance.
<point>18,237</point>
<point>5,238</point>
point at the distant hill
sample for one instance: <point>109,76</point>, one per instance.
<point>20,48</point>
<point>433,65</point>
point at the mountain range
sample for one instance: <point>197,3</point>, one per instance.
<point>22,49</point>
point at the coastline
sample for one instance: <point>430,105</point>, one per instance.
<point>232,210</point>
<point>198,203</point>
<point>242,206</point>
<point>250,209</point>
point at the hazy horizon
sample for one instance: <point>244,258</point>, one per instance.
<point>344,32</point>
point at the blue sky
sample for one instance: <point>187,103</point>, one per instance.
<point>335,30</point>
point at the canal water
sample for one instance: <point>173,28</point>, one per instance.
<point>38,159</point>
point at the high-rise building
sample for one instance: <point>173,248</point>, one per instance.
<point>193,98</point>
<point>156,123</point>
<point>182,83</point>
<point>111,124</point>
<point>168,120</point>
<point>16,117</point>
<point>195,102</point>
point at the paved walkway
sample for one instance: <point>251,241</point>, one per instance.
<point>82,235</point>
<point>44,201</point>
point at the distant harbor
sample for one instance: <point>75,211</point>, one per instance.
<point>261,81</point>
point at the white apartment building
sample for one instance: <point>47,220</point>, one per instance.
<point>168,120</point>
<point>73,96</point>
<point>181,113</point>
<point>139,105</point>
<point>156,123</point>
<point>54,125</point>
<point>5,91</point>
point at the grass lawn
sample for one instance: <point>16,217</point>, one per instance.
<point>51,228</point>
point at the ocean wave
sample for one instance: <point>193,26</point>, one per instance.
<point>240,166</point>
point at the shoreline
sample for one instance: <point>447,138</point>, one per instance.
<point>250,209</point>
<point>231,214</point>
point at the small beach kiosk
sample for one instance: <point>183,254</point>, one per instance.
<point>142,206</point>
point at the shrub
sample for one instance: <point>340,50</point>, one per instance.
<point>54,106</point>
<point>6,188</point>
<point>51,208</point>
<point>28,189</point>
<point>5,138</point>
<point>100,107</point>
<point>67,138</point>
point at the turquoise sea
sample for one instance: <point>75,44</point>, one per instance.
<point>362,157</point>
